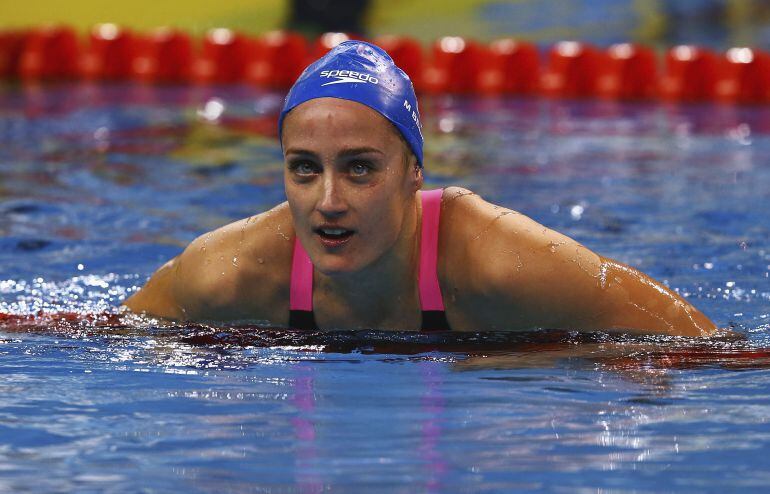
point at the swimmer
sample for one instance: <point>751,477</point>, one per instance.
<point>359,245</point>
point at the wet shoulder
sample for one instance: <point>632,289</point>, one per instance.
<point>475,233</point>
<point>490,258</point>
<point>240,271</point>
<point>486,241</point>
<point>468,241</point>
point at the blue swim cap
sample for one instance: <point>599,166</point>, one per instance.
<point>364,73</point>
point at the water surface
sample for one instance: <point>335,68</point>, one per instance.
<point>99,185</point>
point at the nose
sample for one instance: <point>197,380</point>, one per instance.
<point>332,203</point>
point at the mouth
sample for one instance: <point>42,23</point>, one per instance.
<point>333,237</point>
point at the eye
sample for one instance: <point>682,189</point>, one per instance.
<point>303,167</point>
<point>359,169</point>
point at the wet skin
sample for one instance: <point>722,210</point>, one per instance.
<point>352,190</point>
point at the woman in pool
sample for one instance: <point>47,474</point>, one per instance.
<point>359,245</point>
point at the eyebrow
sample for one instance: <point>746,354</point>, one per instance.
<point>344,153</point>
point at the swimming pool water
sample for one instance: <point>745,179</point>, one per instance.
<point>101,184</point>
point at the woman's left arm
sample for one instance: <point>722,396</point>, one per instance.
<point>576,288</point>
<point>528,276</point>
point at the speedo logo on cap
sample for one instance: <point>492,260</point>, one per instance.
<point>347,77</point>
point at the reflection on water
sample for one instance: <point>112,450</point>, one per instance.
<point>217,406</point>
<point>100,184</point>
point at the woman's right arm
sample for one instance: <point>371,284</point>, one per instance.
<point>176,290</point>
<point>157,297</point>
<point>186,287</point>
<point>239,271</point>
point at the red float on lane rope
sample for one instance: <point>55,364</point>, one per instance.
<point>279,57</point>
<point>573,70</point>
<point>165,55</point>
<point>223,58</point>
<point>690,74</point>
<point>49,53</point>
<point>11,46</point>
<point>745,77</point>
<point>630,73</point>
<point>109,55</point>
<point>455,67</point>
<point>511,67</point>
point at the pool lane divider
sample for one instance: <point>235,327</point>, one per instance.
<point>450,65</point>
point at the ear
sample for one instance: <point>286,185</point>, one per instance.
<point>418,176</point>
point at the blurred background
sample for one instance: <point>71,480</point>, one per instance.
<point>713,23</point>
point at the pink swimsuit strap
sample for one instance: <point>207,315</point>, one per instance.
<point>430,291</point>
<point>301,293</point>
<point>431,301</point>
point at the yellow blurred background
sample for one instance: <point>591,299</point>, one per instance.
<point>194,16</point>
<point>720,22</point>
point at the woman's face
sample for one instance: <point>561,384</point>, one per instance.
<point>349,180</point>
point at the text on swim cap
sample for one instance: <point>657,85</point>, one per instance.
<point>348,76</point>
<point>408,107</point>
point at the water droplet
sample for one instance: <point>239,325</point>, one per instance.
<point>235,261</point>
<point>603,276</point>
<point>285,237</point>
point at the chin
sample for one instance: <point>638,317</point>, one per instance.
<point>337,267</point>
<point>343,263</point>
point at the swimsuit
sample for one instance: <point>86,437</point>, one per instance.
<point>431,302</point>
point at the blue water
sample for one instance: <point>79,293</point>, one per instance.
<point>101,184</point>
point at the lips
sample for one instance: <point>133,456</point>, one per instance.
<point>333,236</point>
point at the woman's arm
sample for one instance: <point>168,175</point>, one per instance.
<point>239,271</point>
<point>201,283</point>
<point>628,299</point>
<point>528,276</point>
<point>571,287</point>
<point>157,296</point>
